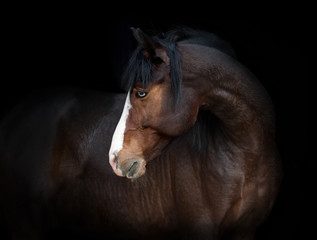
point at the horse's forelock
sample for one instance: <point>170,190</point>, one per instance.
<point>139,69</point>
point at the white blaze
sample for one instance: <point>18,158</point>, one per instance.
<point>118,136</point>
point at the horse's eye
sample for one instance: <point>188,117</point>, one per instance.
<point>140,94</point>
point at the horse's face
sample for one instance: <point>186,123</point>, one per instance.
<point>149,121</point>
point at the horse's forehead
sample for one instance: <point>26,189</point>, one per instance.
<point>159,74</point>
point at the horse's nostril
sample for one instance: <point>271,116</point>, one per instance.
<point>116,160</point>
<point>132,168</point>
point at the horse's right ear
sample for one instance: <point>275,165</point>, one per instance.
<point>152,48</point>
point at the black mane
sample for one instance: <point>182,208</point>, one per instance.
<point>139,68</point>
<point>199,37</point>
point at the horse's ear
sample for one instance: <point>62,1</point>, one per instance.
<point>152,49</point>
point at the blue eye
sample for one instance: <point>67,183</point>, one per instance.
<point>140,94</point>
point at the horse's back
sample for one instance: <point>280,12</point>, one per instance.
<point>29,139</point>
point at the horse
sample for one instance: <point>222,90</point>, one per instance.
<point>188,152</point>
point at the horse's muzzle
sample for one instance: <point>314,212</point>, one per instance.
<point>130,168</point>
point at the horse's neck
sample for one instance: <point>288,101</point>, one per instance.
<point>242,109</point>
<point>236,98</point>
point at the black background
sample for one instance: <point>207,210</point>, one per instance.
<point>51,46</point>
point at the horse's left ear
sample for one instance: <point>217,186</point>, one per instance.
<point>152,48</point>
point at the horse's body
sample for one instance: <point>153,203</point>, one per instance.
<point>55,180</point>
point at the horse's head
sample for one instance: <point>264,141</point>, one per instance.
<point>159,106</point>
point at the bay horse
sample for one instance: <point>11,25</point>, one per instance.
<point>192,141</point>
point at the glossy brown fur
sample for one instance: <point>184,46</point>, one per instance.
<point>234,185</point>
<point>58,184</point>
